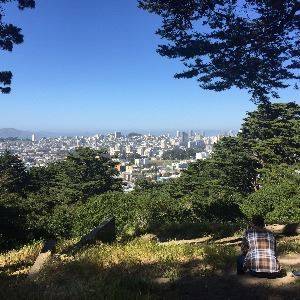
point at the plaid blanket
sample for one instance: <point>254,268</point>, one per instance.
<point>259,245</point>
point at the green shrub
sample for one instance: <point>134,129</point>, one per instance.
<point>216,205</point>
<point>278,200</point>
<point>134,212</point>
<point>286,212</point>
<point>13,229</point>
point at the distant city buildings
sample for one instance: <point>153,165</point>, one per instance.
<point>118,135</point>
<point>201,155</point>
<point>137,156</point>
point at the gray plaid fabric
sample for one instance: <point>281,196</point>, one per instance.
<point>260,246</point>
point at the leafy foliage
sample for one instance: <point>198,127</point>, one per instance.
<point>10,35</point>
<point>85,173</point>
<point>232,167</point>
<point>143,184</point>
<point>134,212</point>
<point>278,200</point>
<point>273,133</point>
<point>42,202</point>
<point>249,44</point>
<point>236,164</point>
<point>179,154</point>
<point>12,220</point>
<point>13,175</point>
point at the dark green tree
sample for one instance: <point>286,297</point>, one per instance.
<point>237,166</point>
<point>231,168</point>
<point>55,191</point>
<point>248,44</point>
<point>14,181</point>
<point>13,175</point>
<point>85,173</point>
<point>13,228</point>
<point>273,133</point>
<point>42,179</point>
<point>10,35</point>
<point>143,184</point>
<point>278,199</point>
<point>179,154</point>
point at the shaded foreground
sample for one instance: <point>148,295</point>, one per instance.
<point>146,269</point>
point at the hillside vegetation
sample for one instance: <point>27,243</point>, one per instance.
<point>256,172</point>
<point>143,268</point>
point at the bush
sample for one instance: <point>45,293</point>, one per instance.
<point>216,205</point>
<point>278,200</point>
<point>286,212</point>
<point>99,208</point>
<point>13,229</point>
<point>135,213</point>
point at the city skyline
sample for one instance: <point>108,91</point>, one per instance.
<point>16,133</point>
<point>157,158</point>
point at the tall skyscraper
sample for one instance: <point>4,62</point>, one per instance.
<point>192,133</point>
<point>33,138</point>
<point>184,138</point>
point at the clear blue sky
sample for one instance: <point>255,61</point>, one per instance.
<point>92,65</point>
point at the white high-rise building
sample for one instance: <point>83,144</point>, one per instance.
<point>33,138</point>
<point>201,155</point>
<point>141,151</point>
<point>128,149</point>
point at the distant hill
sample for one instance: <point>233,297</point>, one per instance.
<point>14,133</point>
<point>134,134</point>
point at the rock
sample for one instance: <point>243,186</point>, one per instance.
<point>42,259</point>
<point>105,232</point>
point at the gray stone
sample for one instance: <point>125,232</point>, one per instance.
<point>105,232</point>
<point>42,259</point>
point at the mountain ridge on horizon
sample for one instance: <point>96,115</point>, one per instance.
<point>14,133</point>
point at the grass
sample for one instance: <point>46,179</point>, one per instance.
<point>289,246</point>
<point>18,262</point>
<point>139,269</point>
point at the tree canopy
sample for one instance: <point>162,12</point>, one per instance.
<point>269,137</point>
<point>273,133</point>
<point>180,154</point>
<point>10,35</point>
<point>231,169</point>
<point>248,44</point>
<point>85,173</point>
<point>13,175</point>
